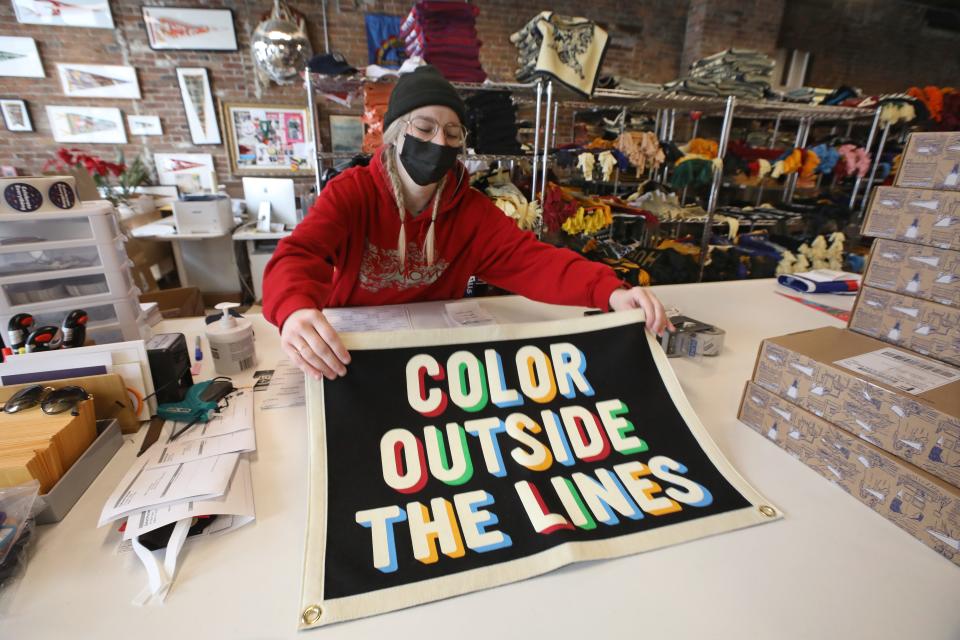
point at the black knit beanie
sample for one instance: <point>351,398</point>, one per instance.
<point>422,88</point>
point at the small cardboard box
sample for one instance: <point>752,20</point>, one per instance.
<point>915,270</point>
<point>924,506</point>
<point>883,395</point>
<point>917,216</point>
<point>925,327</point>
<point>931,161</point>
<point>183,302</point>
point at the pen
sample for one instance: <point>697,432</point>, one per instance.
<point>197,353</point>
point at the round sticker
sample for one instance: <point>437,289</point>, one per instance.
<point>62,195</point>
<point>23,197</point>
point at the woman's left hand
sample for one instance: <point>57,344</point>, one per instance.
<point>641,298</point>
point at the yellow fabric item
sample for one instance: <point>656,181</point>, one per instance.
<point>588,220</point>
<point>703,147</point>
<point>810,163</point>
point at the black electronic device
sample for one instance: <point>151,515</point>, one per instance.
<point>170,366</point>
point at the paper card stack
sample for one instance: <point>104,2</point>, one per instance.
<point>36,445</point>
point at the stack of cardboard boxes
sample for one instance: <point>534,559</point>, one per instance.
<point>875,408</point>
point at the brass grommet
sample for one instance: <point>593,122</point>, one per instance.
<point>311,614</point>
<point>767,511</point>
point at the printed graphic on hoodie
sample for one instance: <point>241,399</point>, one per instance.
<point>380,269</point>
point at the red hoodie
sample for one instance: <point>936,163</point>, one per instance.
<point>344,253</point>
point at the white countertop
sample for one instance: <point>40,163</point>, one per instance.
<point>832,568</point>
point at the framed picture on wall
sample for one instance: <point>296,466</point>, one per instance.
<point>102,125</point>
<point>19,57</point>
<point>144,125</point>
<point>98,81</point>
<point>190,29</point>
<point>198,104</point>
<point>346,134</point>
<point>75,13</point>
<point>189,172</point>
<point>268,139</point>
<point>15,115</point>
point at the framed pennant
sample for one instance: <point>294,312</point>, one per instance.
<point>144,125</point>
<point>86,124</point>
<point>454,460</point>
<point>190,29</point>
<point>72,13</point>
<point>198,105</point>
<point>189,172</point>
<point>19,58</point>
<point>98,81</point>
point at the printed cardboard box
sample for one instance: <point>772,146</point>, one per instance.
<point>925,327</point>
<point>931,161</point>
<point>917,216</point>
<point>924,506</point>
<point>915,270</point>
<point>881,394</point>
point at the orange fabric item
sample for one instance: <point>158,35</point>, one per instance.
<point>376,96</point>
<point>704,147</point>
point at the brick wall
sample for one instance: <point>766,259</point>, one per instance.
<point>715,25</point>
<point>645,45</point>
<point>860,42</point>
<point>877,45</point>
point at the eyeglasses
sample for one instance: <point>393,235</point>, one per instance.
<point>426,128</point>
<point>51,401</point>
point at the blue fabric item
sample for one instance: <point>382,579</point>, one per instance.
<point>622,160</point>
<point>805,285</point>
<point>829,157</point>
<point>883,170</point>
<point>384,45</point>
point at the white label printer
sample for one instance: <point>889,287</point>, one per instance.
<point>206,214</point>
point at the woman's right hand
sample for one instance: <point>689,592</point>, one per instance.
<point>313,344</point>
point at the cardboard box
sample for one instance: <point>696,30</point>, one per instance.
<point>183,302</point>
<point>917,216</point>
<point>931,161</point>
<point>925,327</point>
<point>924,506</point>
<point>915,270</point>
<point>893,409</point>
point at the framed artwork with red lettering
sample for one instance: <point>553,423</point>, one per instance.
<point>453,460</point>
<point>190,29</point>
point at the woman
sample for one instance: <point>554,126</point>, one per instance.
<point>409,228</point>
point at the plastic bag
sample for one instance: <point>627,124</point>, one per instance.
<point>16,511</point>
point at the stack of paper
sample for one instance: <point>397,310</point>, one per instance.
<point>36,445</point>
<point>203,472</point>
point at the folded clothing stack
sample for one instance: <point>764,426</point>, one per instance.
<point>569,49</point>
<point>444,34</point>
<point>492,122</point>
<point>743,73</point>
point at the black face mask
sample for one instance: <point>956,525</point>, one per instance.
<point>427,162</point>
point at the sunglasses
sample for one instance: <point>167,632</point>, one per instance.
<point>51,401</point>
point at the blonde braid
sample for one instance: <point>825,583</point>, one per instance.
<point>391,166</point>
<point>429,245</point>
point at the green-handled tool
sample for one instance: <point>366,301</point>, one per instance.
<point>201,399</point>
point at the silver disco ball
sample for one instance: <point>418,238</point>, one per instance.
<point>281,49</point>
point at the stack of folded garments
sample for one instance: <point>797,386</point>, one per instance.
<point>376,96</point>
<point>735,72</point>
<point>569,49</point>
<point>492,122</point>
<point>444,34</point>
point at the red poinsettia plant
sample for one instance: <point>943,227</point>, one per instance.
<point>128,178</point>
